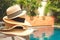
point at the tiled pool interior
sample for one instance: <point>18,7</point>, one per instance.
<point>55,36</point>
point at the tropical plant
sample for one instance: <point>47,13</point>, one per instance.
<point>30,5</point>
<point>52,5</point>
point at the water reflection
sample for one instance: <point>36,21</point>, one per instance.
<point>48,31</point>
<point>42,33</point>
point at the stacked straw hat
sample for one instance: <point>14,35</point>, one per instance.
<point>15,21</point>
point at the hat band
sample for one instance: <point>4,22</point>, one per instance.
<point>18,19</point>
<point>14,14</point>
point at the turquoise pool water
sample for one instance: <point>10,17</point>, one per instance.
<point>55,36</point>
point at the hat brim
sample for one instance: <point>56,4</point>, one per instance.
<point>13,27</point>
<point>6,19</point>
<point>18,32</point>
<point>10,24</point>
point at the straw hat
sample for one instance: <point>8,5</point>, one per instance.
<point>18,32</point>
<point>11,27</point>
<point>15,11</point>
<point>9,23</point>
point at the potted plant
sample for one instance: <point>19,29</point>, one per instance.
<point>31,6</point>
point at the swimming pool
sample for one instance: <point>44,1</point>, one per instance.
<point>55,36</point>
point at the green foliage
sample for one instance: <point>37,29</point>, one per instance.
<point>55,5</point>
<point>4,4</point>
<point>29,5</point>
<point>47,8</point>
<point>52,5</point>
